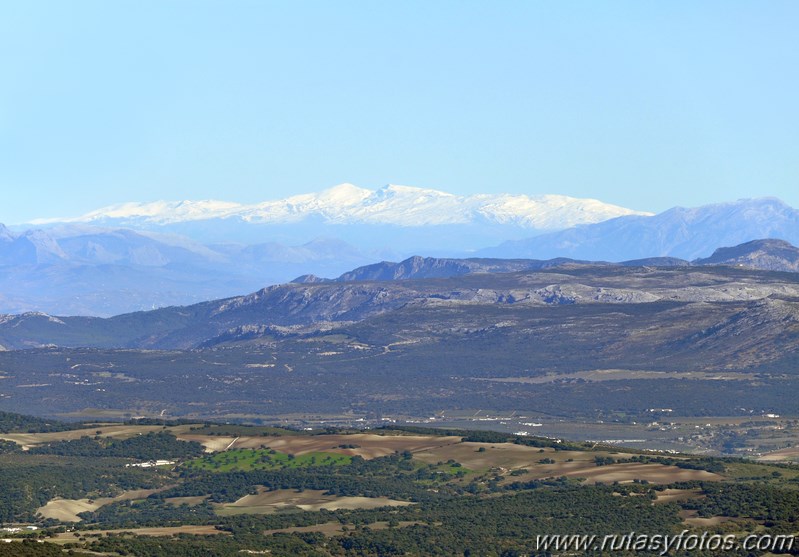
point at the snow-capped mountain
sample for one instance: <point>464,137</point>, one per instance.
<point>687,233</point>
<point>167,252</point>
<point>139,255</point>
<point>347,204</point>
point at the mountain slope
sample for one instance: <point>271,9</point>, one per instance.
<point>418,267</point>
<point>772,255</point>
<point>310,308</point>
<point>592,341</point>
<point>768,255</point>
<point>678,232</point>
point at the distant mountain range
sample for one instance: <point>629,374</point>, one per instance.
<point>299,310</point>
<point>700,338</point>
<point>678,232</point>
<point>417,267</point>
<point>347,204</point>
<point>590,340</point>
<point>85,270</point>
<point>139,256</point>
<point>770,255</point>
<point>395,221</point>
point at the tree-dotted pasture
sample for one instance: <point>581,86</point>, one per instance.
<point>264,459</point>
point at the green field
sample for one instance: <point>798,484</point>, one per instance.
<point>264,459</point>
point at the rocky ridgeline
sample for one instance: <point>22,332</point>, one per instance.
<point>304,308</point>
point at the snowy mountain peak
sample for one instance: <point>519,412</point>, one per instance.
<point>344,194</point>
<point>349,204</point>
<point>155,211</point>
<point>396,190</point>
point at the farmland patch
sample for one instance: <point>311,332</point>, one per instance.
<point>268,502</point>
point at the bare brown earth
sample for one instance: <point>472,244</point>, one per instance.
<point>328,529</point>
<point>627,472</point>
<point>369,445</point>
<point>212,443</point>
<point>790,453</point>
<point>201,530</point>
<point>503,455</point>
<point>268,502</point>
<point>510,456</point>
<point>572,464</point>
<point>67,510</point>
<point>673,495</point>
<point>190,501</point>
<point>689,517</point>
<point>335,528</point>
<point>28,440</point>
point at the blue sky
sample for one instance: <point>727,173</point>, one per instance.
<point>644,104</point>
